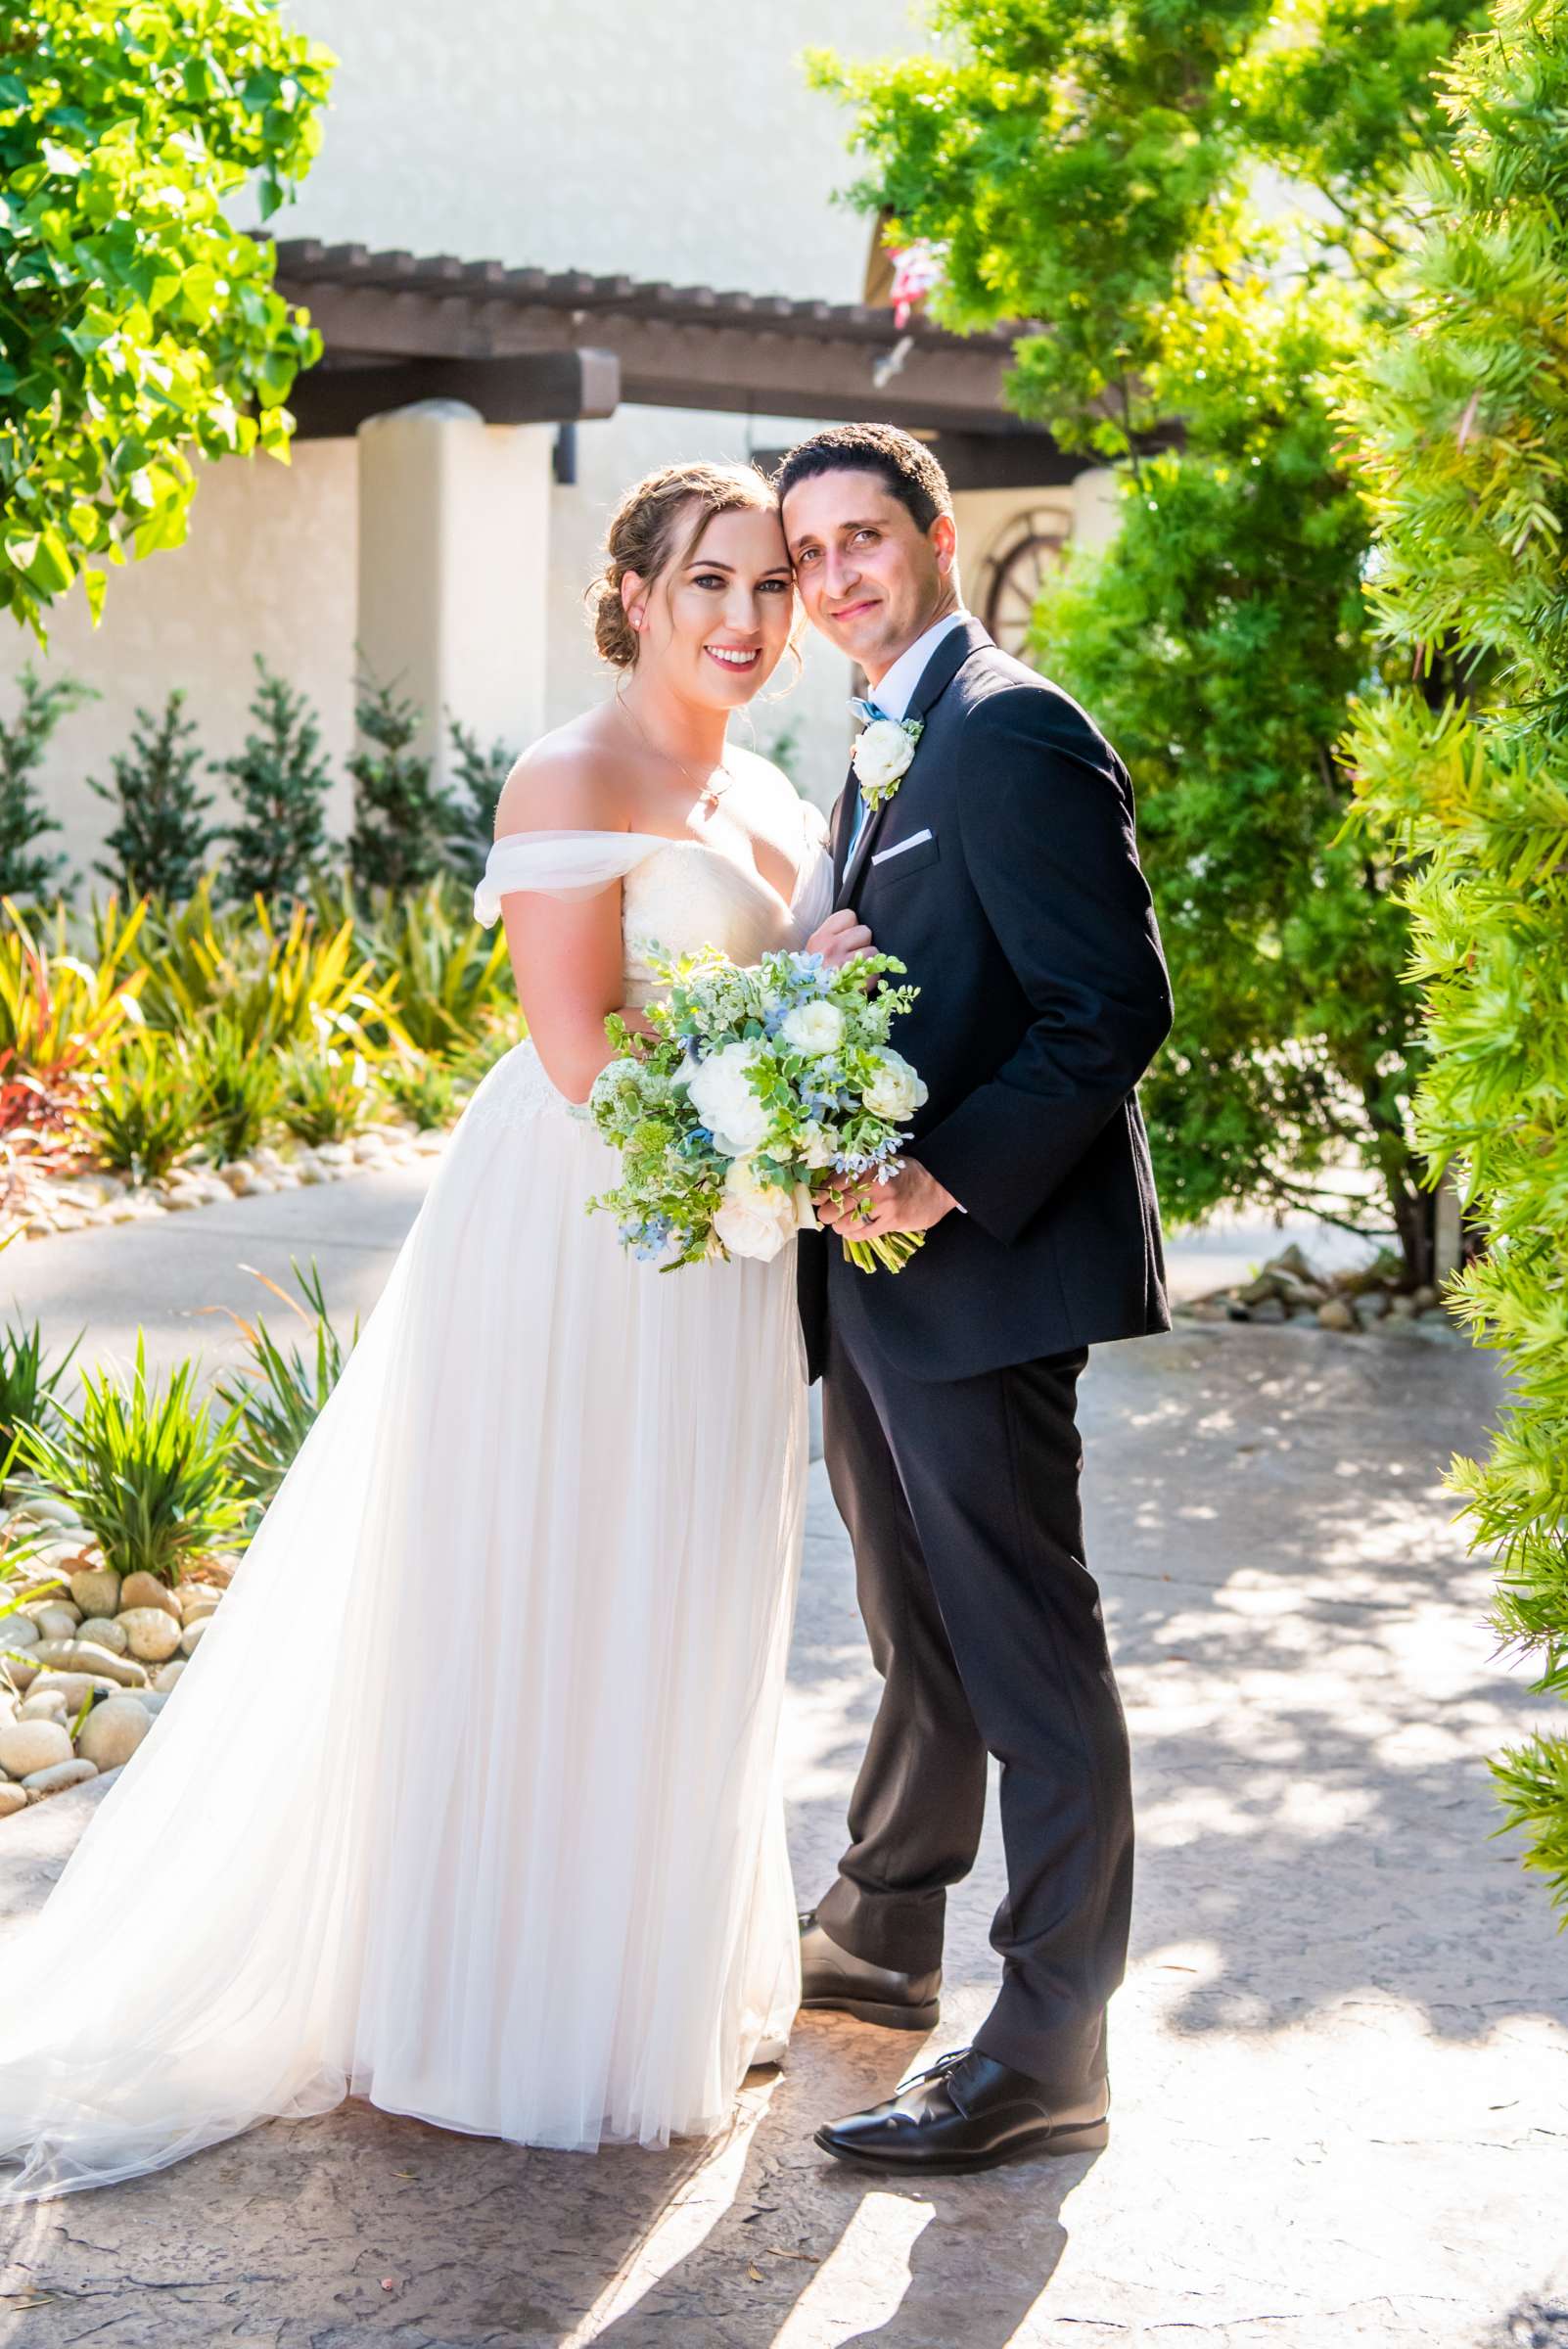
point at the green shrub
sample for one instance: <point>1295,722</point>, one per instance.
<point>240,1085</point>
<point>159,843</point>
<point>450,978</point>
<point>479,774</point>
<point>26,870</point>
<point>326,1094</point>
<point>1462,432</point>
<point>278,1394</point>
<point>281,782</point>
<point>29,1385</point>
<point>279,985</point>
<point>422,1088</point>
<point>147,1108</point>
<point>401,815</point>
<point>146,1467</point>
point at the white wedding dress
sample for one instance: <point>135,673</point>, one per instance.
<point>466,1803</point>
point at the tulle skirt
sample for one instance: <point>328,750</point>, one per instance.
<point>466,1803</point>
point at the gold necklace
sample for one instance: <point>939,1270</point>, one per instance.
<point>704,791</point>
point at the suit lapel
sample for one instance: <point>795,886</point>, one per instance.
<point>843,815</point>
<point>935,679</point>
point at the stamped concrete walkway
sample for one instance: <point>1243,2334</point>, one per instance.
<point>1341,2057</point>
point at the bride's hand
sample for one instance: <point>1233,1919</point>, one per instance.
<point>843,938</point>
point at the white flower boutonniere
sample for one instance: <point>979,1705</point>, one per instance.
<point>882,754</point>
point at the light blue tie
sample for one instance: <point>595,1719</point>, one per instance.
<point>869,713</point>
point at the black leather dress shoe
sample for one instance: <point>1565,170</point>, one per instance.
<point>834,1980</point>
<point>967,2112</point>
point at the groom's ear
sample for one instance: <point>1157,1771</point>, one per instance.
<point>943,538</point>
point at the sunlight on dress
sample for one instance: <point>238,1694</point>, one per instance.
<point>468,1803</point>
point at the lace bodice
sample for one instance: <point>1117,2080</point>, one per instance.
<point>678,894</point>
<point>687,894</point>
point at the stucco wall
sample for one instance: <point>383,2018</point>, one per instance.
<point>268,568</point>
<point>676,141</point>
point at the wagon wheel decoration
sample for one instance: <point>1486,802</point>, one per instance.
<point>1015,575</point>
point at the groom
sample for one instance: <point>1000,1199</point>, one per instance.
<point>1001,868</point>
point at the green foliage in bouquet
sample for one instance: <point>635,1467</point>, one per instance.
<point>1205,206</point>
<point>144,1466</point>
<point>140,330</point>
<point>758,1083</point>
<point>279,1392</point>
<point>1459,419</point>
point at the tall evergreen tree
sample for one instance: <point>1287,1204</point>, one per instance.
<point>1460,423</point>
<point>480,774</point>
<point>281,781</point>
<point>158,846</point>
<point>401,815</point>
<point>27,870</point>
<point>1202,206</point>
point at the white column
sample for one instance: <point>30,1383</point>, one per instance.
<point>1097,506</point>
<point>455,547</point>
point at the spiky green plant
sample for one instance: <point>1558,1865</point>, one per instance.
<point>326,1094</point>
<point>450,980</point>
<point>30,1384</point>
<point>1460,424</point>
<point>239,1084</point>
<point>420,1086</point>
<point>146,1466</point>
<point>278,1394</point>
<point>147,1108</point>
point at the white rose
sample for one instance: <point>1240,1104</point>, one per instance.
<point>882,754</point>
<point>722,1097</point>
<point>895,1091</point>
<point>756,1217</point>
<point>817,1146</point>
<point>814,1028</point>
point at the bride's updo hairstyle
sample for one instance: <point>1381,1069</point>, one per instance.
<point>656,526</point>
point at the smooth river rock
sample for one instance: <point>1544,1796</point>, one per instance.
<point>57,1619</point>
<point>56,1779</point>
<point>152,1635</point>
<point>80,1655</point>
<point>104,1630</point>
<point>167,1675</point>
<point>146,1591</point>
<point>26,1746</point>
<point>12,1799</point>
<point>112,1732</point>
<point>18,1630</point>
<point>96,1590</point>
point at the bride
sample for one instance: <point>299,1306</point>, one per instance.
<point>468,1803</point>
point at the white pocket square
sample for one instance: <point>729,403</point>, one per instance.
<point>914,841</point>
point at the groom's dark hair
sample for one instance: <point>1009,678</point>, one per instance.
<point>908,468</point>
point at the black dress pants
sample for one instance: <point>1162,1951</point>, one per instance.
<point>962,1499</point>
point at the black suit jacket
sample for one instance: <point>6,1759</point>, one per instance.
<point>1026,924</point>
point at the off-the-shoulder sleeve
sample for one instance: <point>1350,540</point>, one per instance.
<point>558,864</point>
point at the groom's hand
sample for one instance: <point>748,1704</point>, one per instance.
<point>842,937</point>
<point>909,1201</point>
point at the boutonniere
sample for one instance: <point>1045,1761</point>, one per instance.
<point>883,752</point>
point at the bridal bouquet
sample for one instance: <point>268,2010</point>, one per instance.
<point>756,1084</point>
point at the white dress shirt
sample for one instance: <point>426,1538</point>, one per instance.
<point>893,698</point>
<point>897,690</point>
